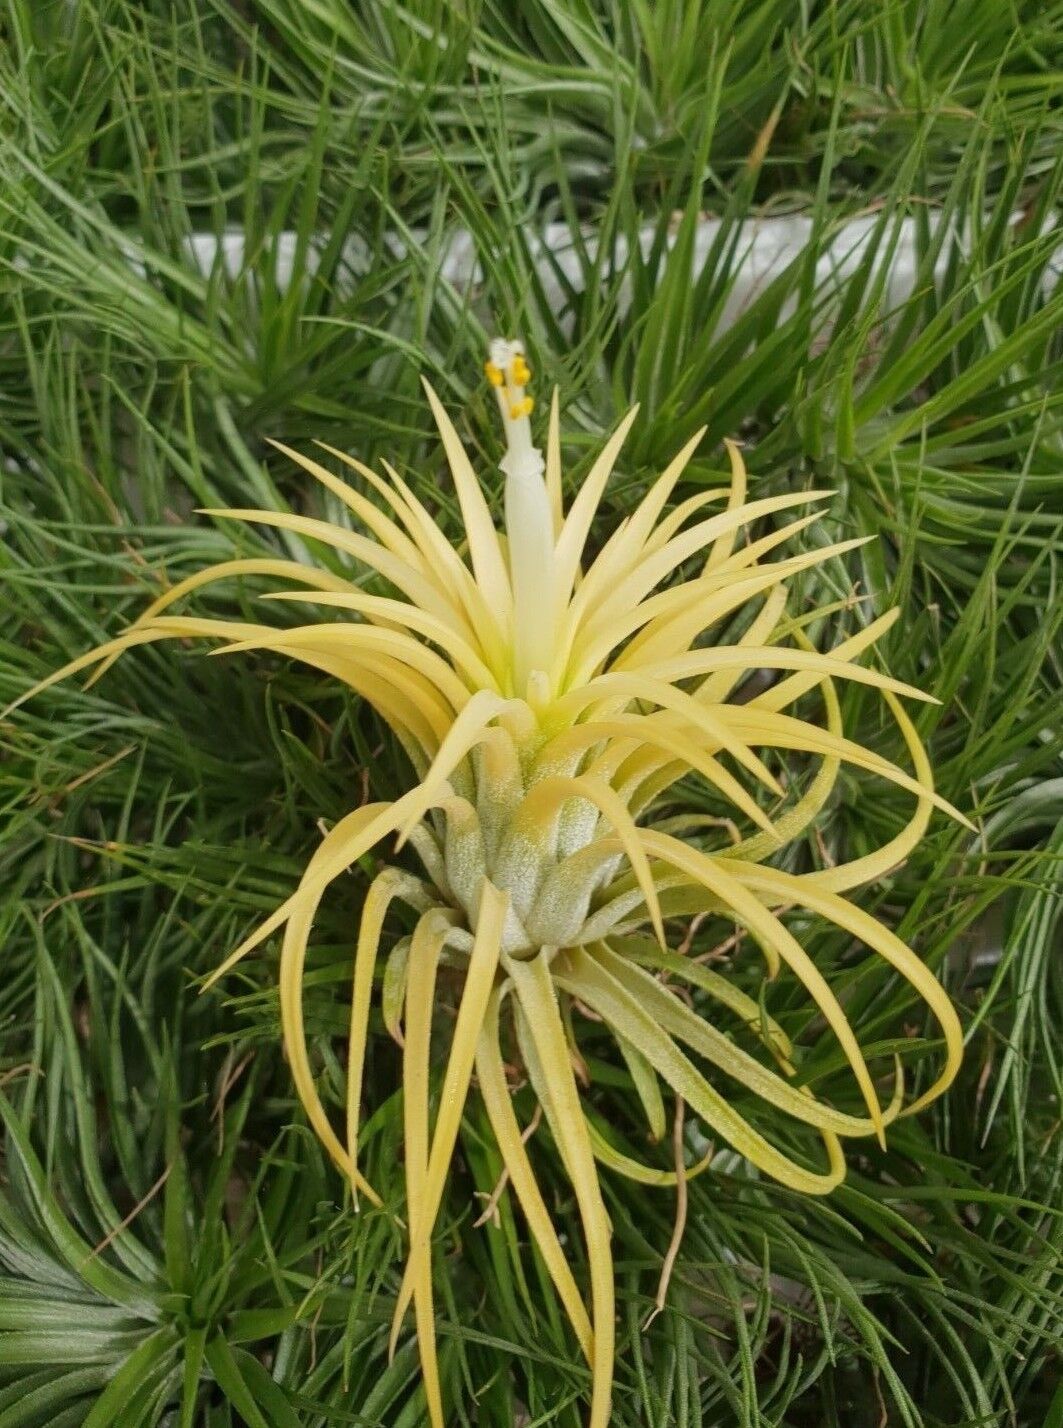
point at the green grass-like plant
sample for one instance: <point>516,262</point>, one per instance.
<point>174,1245</point>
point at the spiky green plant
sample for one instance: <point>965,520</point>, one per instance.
<point>547,702</point>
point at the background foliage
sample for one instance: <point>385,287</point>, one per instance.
<point>173,1250</point>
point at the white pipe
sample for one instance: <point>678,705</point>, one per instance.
<point>764,248</point>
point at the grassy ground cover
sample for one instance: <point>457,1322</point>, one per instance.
<point>173,1247</point>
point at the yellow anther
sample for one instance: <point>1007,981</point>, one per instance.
<point>520,372</point>
<point>494,375</point>
<point>523,408</point>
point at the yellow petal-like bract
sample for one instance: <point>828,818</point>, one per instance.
<point>548,702</point>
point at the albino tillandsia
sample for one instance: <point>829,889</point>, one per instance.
<point>547,704</point>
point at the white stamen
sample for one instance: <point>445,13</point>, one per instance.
<point>529,522</point>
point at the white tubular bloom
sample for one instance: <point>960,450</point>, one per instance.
<point>529,522</point>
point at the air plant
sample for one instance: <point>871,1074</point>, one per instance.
<point>548,702</point>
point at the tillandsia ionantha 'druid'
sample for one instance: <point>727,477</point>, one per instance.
<point>547,703</point>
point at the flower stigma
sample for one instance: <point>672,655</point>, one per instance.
<point>529,524</point>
